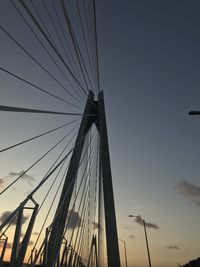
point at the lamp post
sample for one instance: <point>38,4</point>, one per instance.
<point>124,251</point>
<point>145,233</point>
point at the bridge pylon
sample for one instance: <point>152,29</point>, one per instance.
<point>94,113</point>
<point>56,250</point>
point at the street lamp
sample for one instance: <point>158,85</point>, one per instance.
<point>124,251</point>
<point>145,233</point>
<point>194,112</point>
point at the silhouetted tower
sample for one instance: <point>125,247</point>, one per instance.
<point>94,113</point>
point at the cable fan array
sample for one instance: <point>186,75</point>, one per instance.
<point>48,69</point>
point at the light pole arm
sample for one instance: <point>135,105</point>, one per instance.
<point>194,112</point>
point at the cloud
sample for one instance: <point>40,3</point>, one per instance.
<point>173,247</point>
<point>2,182</point>
<point>24,176</point>
<point>189,191</point>
<point>6,214</point>
<point>35,233</point>
<point>147,224</point>
<point>8,245</point>
<point>74,220</point>
<point>30,243</point>
<point>96,225</point>
<point>28,178</point>
<point>131,236</point>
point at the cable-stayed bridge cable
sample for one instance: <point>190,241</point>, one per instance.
<point>33,58</point>
<point>76,46</point>
<point>40,111</point>
<point>29,168</point>
<point>84,37</point>
<point>50,43</point>
<point>37,136</point>
<point>76,70</point>
<point>37,87</point>
<point>49,54</point>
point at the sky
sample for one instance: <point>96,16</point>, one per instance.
<point>149,72</point>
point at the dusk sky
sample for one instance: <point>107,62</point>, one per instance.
<point>149,63</point>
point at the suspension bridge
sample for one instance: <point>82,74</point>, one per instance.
<point>49,54</point>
